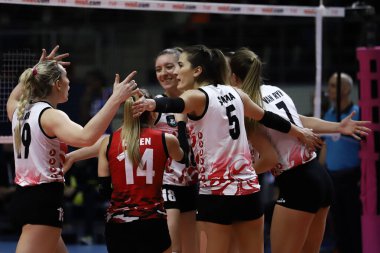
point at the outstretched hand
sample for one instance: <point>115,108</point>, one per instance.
<point>125,89</point>
<point>52,56</point>
<point>354,128</point>
<point>143,104</point>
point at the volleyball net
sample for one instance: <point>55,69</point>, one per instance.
<point>12,64</point>
<point>15,61</point>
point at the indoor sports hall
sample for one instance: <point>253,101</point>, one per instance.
<point>301,45</point>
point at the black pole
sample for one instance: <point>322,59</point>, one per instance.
<point>339,66</point>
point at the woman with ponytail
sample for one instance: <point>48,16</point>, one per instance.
<point>228,203</point>
<point>131,166</point>
<point>41,135</point>
<point>305,188</point>
<point>180,187</point>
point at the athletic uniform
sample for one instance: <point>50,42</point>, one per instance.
<point>304,184</point>
<point>179,188</point>
<point>227,181</point>
<point>39,175</point>
<point>136,217</point>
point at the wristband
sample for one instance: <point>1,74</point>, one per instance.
<point>165,104</point>
<point>182,136</point>
<point>275,122</point>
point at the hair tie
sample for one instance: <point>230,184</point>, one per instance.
<point>34,71</point>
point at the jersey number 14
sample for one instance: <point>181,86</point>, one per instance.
<point>145,168</point>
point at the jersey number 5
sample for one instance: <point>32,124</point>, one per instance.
<point>145,168</point>
<point>233,121</point>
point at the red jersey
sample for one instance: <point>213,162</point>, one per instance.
<point>137,189</point>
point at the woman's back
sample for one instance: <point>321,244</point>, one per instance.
<point>41,157</point>
<point>137,189</point>
<point>291,152</point>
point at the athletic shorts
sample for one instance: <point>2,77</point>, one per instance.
<point>39,205</point>
<point>180,197</point>
<point>226,210</point>
<point>307,187</point>
<point>141,236</point>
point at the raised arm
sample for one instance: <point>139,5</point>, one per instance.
<point>190,102</point>
<point>347,126</point>
<point>13,100</point>
<point>57,123</point>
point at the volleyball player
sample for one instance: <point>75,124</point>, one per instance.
<point>227,202</point>
<point>41,133</point>
<point>133,161</point>
<point>300,213</point>
<point>179,188</point>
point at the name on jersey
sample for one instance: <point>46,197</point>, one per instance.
<point>226,98</point>
<point>143,141</point>
<point>271,97</point>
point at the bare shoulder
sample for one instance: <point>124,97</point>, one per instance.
<point>241,93</point>
<point>53,114</point>
<point>194,93</point>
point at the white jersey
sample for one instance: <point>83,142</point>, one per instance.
<point>175,173</point>
<point>220,145</point>
<point>41,158</point>
<point>291,152</point>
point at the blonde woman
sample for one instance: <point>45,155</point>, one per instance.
<point>41,134</point>
<point>133,161</point>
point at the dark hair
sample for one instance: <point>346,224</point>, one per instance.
<point>212,61</point>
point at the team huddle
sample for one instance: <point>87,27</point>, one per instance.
<point>181,172</point>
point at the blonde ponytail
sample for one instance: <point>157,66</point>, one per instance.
<point>24,79</point>
<point>247,66</point>
<point>130,133</point>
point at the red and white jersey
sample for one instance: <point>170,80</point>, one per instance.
<point>220,145</point>
<point>291,152</point>
<point>137,189</point>
<point>175,173</point>
<point>41,157</point>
